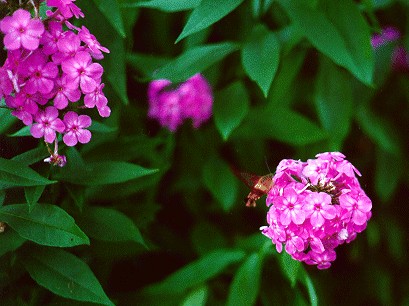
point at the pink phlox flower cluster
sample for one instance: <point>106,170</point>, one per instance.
<point>400,57</point>
<point>49,68</point>
<point>192,99</point>
<point>315,206</point>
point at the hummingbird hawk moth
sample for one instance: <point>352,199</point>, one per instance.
<point>259,185</point>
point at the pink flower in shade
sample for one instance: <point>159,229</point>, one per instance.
<point>196,99</point>
<point>40,74</point>
<point>75,131</point>
<point>191,100</point>
<point>316,206</point>
<point>92,43</point>
<point>322,260</point>
<point>21,30</point>
<point>80,70</point>
<point>47,124</point>
<point>66,7</point>
<point>51,37</point>
<point>387,35</point>
<point>6,86</point>
<point>400,59</point>
<point>63,93</point>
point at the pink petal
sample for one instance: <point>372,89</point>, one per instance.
<point>359,217</point>
<point>58,125</point>
<point>70,139</point>
<point>70,118</point>
<point>29,42</point>
<point>49,135</point>
<point>298,216</point>
<point>12,41</point>
<point>84,136</point>
<point>84,121</point>
<point>60,101</point>
<point>37,130</point>
<point>316,219</point>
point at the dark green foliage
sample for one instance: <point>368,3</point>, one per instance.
<point>141,216</point>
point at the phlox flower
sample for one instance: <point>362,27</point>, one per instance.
<point>92,43</point>
<point>51,37</point>
<point>47,124</point>
<point>75,129</point>
<point>315,206</point>
<point>21,30</point>
<point>66,7</point>
<point>63,93</point>
<point>81,71</point>
<point>40,74</point>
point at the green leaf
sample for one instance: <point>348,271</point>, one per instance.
<point>193,61</point>
<point>110,9</point>
<point>340,32</point>
<point>17,174</point>
<point>221,182</point>
<point>290,268</point>
<point>378,129</point>
<point>24,131</point>
<point>306,280</point>
<point>10,241</point>
<point>166,5</point>
<point>246,283</point>
<point>388,172</point>
<point>197,297</point>
<point>6,119</point>
<point>31,156</point>
<point>33,194</point>
<point>45,224</point>
<point>108,224</point>
<point>334,103</point>
<point>260,57</point>
<point>2,197</point>
<point>230,107</point>
<point>99,127</point>
<point>145,63</point>
<point>102,173</point>
<point>207,13</point>
<point>64,274</point>
<point>281,124</point>
<point>197,272</point>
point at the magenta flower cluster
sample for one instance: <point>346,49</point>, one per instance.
<point>316,206</point>
<point>192,99</point>
<point>49,68</point>
<point>400,58</point>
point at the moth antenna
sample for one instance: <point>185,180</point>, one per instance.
<point>265,160</point>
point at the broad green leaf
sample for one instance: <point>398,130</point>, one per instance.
<point>281,124</point>
<point>64,274</point>
<point>110,9</point>
<point>340,32</point>
<point>246,282</point>
<point>108,224</point>
<point>290,268</point>
<point>260,57</point>
<point>16,174</point>
<point>6,119</point>
<point>230,107</point>
<point>334,103</point>
<point>378,129</point>
<point>10,241</point>
<point>99,127</point>
<point>306,280</point>
<point>221,182</point>
<point>197,297</point>
<point>145,63</point>
<point>166,5</point>
<point>2,197</point>
<point>24,131</point>
<point>207,13</point>
<point>45,224</point>
<point>260,7</point>
<point>281,90</point>
<point>33,194</point>
<point>193,61</point>
<point>102,173</point>
<point>31,156</point>
<point>388,172</point>
<point>197,272</point>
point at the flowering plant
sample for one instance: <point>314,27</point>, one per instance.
<point>316,206</point>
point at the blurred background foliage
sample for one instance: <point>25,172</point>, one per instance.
<point>163,213</point>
